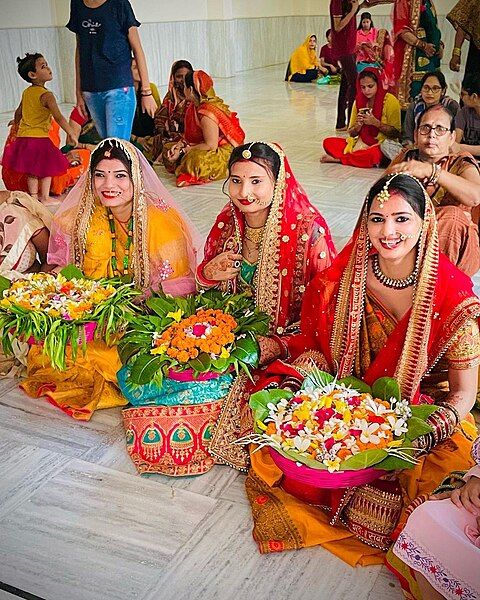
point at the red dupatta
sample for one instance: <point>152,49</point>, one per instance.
<point>333,309</point>
<point>406,17</point>
<point>368,133</point>
<point>296,245</point>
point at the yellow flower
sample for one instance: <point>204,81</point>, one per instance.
<point>333,465</point>
<point>176,316</point>
<point>260,425</point>
<point>224,353</point>
<point>395,443</point>
<point>159,350</point>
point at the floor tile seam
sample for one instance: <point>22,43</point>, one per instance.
<point>51,475</point>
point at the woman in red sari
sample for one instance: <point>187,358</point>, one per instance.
<point>212,130</point>
<point>268,240</point>
<point>390,305</point>
<point>375,117</point>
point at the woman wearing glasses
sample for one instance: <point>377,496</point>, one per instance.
<point>451,180</point>
<point>433,90</point>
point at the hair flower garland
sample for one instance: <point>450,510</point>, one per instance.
<point>340,425</point>
<point>58,310</point>
<point>210,332</point>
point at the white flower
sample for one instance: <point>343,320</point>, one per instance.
<point>376,409</point>
<point>369,434</point>
<point>398,426</point>
<point>402,408</point>
<point>301,443</point>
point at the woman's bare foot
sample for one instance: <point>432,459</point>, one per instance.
<point>326,158</point>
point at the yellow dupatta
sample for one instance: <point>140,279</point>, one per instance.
<point>303,58</point>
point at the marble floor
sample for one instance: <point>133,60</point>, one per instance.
<point>77,522</point>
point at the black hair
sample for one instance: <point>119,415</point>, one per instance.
<point>261,153</point>
<point>329,31</point>
<point>409,188</point>
<point>313,35</point>
<point>439,75</point>
<point>114,151</point>
<point>27,64</point>
<point>181,64</point>
<point>365,15</point>
<point>471,84</point>
<point>451,116</point>
<point>367,73</point>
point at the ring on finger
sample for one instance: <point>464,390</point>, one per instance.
<point>236,264</point>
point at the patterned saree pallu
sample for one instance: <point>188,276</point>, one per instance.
<point>172,440</point>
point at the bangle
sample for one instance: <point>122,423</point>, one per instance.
<point>145,95</point>
<point>457,52</point>
<point>436,170</point>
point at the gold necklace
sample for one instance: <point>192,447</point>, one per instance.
<point>254,234</point>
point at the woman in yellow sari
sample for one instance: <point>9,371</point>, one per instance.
<point>119,220</point>
<point>211,132</point>
<point>390,305</point>
<point>304,65</point>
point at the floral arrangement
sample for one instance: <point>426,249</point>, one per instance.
<point>210,332</point>
<point>340,425</point>
<point>53,309</point>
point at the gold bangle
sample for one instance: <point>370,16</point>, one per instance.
<point>457,52</point>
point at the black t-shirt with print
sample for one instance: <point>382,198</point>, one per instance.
<point>105,53</point>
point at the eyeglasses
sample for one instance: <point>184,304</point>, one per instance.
<point>438,129</point>
<point>434,88</point>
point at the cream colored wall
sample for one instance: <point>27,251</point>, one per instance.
<point>26,13</point>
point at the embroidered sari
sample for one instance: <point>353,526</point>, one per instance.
<point>163,255</point>
<point>411,63</point>
<point>296,245</point>
<point>345,330</point>
<point>202,166</point>
<point>457,230</point>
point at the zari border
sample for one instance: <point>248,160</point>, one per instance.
<point>266,280</point>
<point>274,530</point>
<point>406,76</point>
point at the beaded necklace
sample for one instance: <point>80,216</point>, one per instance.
<point>128,245</point>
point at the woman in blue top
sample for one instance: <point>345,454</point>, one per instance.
<point>107,35</point>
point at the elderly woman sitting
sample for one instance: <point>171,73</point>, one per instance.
<point>452,181</point>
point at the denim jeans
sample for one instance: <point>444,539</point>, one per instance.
<point>112,111</point>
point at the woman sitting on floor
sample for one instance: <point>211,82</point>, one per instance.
<point>119,220</point>
<point>438,551</point>
<point>212,130</point>
<point>375,117</point>
<point>390,305</point>
<point>452,181</point>
<point>170,116</point>
<point>304,65</point>
<point>269,240</point>
<point>433,91</point>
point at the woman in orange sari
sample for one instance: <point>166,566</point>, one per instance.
<point>119,220</point>
<point>212,130</point>
<point>269,241</point>
<point>390,305</point>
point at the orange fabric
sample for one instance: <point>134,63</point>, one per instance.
<point>88,383</point>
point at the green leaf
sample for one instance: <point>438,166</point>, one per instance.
<point>258,402</point>
<point>246,350</point>
<point>356,384</point>
<point>386,388</point>
<point>317,379</point>
<point>4,284</point>
<point>145,368</point>
<point>202,363</point>
<point>72,272</point>
<point>220,364</point>
<point>161,306</point>
<point>423,411</point>
<point>416,428</point>
<point>127,350</point>
<point>394,463</point>
<point>364,459</point>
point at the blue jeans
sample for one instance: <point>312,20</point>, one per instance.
<point>112,111</point>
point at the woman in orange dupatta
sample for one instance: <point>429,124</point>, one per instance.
<point>212,130</point>
<point>269,241</point>
<point>420,326</point>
